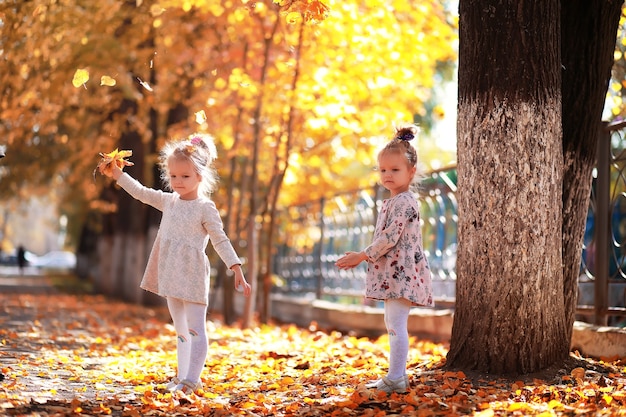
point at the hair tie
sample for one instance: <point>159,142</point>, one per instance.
<point>406,136</point>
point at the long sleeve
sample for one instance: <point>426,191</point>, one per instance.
<point>140,192</point>
<point>221,243</point>
<point>390,233</point>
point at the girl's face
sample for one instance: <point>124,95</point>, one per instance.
<point>183,178</point>
<point>395,172</point>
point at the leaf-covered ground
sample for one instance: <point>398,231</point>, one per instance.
<point>87,355</point>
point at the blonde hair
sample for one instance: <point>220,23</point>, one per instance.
<point>198,149</point>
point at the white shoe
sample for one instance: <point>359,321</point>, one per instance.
<point>172,384</point>
<point>390,385</point>
<point>187,387</point>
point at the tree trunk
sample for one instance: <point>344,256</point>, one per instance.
<point>588,33</point>
<point>253,227</point>
<point>130,236</point>
<point>509,316</point>
<point>281,164</point>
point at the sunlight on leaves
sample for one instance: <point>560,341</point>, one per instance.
<point>266,370</point>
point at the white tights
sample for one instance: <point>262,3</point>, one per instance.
<point>192,346</point>
<point>396,319</point>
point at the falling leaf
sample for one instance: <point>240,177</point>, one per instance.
<point>156,10</point>
<point>108,81</point>
<point>38,10</point>
<point>200,117</point>
<point>144,84</point>
<point>81,76</point>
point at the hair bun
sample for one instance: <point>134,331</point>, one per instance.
<point>405,133</point>
<point>198,140</point>
<point>204,141</point>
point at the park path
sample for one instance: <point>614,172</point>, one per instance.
<point>47,341</point>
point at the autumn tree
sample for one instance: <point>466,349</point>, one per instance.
<point>287,105</point>
<point>282,88</point>
<point>532,82</point>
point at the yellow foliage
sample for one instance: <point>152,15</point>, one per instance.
<point>317,92</point>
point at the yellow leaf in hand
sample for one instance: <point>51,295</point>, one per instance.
<point>81,76</point>
<point>105,166</point>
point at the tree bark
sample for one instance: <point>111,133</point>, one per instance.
<point>588,35</point>
<point>130,237</point>
<point>253,226</point>
<point>509,316</point>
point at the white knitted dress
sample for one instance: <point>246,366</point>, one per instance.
<point>178,266</point>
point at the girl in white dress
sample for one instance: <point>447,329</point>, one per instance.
<point>178,268</point>
<point>397,269</point>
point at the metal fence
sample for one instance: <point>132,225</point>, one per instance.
<point>313,236</point>
<point>602,282</point>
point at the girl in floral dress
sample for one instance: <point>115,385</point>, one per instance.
<point>397,269</point>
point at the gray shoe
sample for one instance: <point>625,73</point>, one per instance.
<point>390,385</point>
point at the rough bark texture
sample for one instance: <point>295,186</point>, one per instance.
<point>509,316</point>
<point>588,41</point>
<point>130,238</point>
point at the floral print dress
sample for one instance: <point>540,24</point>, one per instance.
<point>397,266</point>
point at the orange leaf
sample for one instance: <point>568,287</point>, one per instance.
<point>578,373</point>
<point>117,157</point>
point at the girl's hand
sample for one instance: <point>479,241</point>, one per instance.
<point>240,281</point>
<point>351,259</point>
<point>113,163</point>
<point>115,171</point>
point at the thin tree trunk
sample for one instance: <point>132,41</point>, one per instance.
<point>589,32</point>
<point>509,316</point>
<point>253,239</point>
<point>131,220</point>
<point>281,164</point>
<point>230,220</point>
